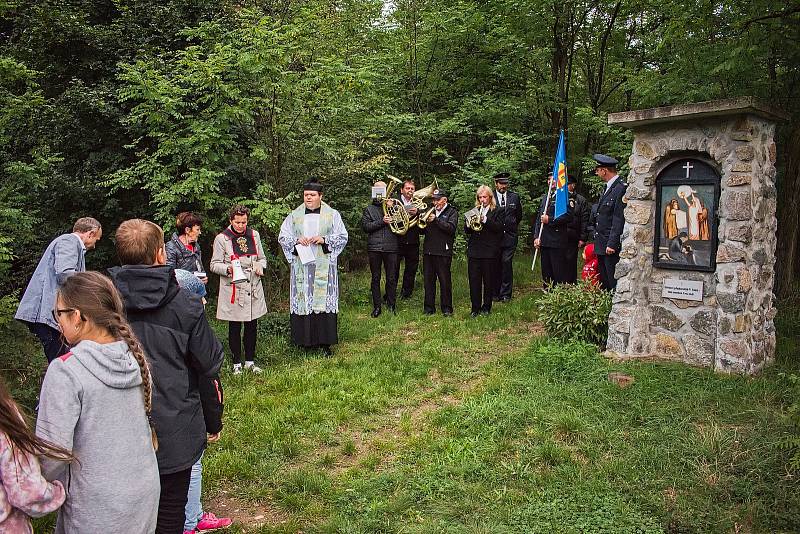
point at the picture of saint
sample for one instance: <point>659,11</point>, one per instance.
<point>680,250</point>
<point>687,200</point>
<point>674,219</point>
<point>698,214</point>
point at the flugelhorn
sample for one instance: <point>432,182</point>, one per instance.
<point>474,220</point>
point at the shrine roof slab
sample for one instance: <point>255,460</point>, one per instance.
<point>682,112</point>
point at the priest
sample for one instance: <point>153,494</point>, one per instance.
<point>312,237</point>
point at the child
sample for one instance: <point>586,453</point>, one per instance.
<point>590,266</point>
<point>211,396</point>
<point>181,349</point>
<point>23,490</point>
<point>96,402</point>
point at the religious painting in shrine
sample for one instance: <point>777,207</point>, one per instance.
<point>687,200</point>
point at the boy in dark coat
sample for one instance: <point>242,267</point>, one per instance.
<point>181,348</point>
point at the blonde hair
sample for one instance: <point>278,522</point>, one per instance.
<point>95,296</point>
<point>485,189</point>
<point>138,241</point>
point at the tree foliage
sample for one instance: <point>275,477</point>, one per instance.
<point>120,108</point>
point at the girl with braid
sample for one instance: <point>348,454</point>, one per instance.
<point>96,403</point>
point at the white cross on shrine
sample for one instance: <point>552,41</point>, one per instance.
<point>688,168</point>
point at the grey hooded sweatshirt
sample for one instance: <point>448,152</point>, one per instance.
<point>91,403</point>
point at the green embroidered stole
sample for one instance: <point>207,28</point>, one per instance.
<point>322,262</point>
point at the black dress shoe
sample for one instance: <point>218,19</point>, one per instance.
<point>428,312</point>
<point>405,297</point>
<point>392,309</point>
<point>473,314</point>
<point>505,299</point>
<point>376,312</point>
<point>447,314</point>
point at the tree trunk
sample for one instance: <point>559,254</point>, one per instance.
<point>786,264</point>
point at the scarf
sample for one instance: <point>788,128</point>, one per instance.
<point>243,244</point>
<point>322,261</point>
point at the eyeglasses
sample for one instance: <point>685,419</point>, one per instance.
<point>58,311</point>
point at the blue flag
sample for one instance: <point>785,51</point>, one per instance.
<point>560,176</point>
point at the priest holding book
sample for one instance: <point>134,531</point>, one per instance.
<point>312,237</point>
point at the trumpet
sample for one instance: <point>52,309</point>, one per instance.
<point>474,220</point>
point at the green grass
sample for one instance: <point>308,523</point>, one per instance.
<point>428,424</point>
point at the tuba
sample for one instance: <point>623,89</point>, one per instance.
<point>473,218</point>
<point>401,221</point>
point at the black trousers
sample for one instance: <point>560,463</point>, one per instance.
<point>235,339</point>
<point>554,266</point>
<point>571,262</point>
<point>50,338</point>
<point>409,254</point>
<point>389,262</point>
<point>172,503</point>
<point>504,281</point>
<point>607,264</point>
<point>437,268</point>
<point>482,273</point>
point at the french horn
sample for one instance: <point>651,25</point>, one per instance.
<point>401,222</point>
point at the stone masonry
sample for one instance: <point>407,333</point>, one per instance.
<point>732,329</point>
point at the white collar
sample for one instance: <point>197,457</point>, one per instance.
<point>406,202</point>
<point>443,208</point>
<point>611,182</point>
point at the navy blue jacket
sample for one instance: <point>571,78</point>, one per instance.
<point>610,219</point>
<point>511,215</point>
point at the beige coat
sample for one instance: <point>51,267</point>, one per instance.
<point>249,302</point>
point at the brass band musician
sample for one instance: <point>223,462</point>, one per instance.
<point>484,228</point>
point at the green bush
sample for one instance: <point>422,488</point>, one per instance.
<point>577,311</point>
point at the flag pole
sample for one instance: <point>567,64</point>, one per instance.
<point>541,224</point>
<point>547,198</point>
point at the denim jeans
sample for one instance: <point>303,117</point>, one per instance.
<point>194,508</point>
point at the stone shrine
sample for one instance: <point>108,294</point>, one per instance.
<point>696,270</point>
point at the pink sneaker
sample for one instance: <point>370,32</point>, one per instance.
<point>209,522</point>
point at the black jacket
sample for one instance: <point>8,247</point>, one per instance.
<point>181,258</point>
<point>511,217</point>
<point>380,237</point>
<point>181,348</point>
<point>440,234</point>
<point>213,400</point>
<point>486,243</point>
<point>610,218</point>
<point>554,233</point>
<point>578,229</point>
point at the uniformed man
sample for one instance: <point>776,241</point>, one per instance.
<point>610,220</point>
<point>511,214</point>
<point>552,243</point>
<point>577,231</point>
